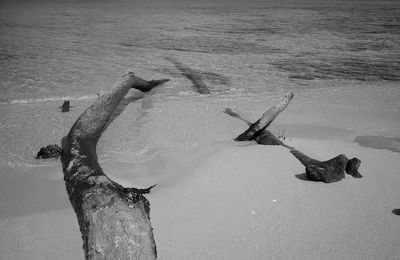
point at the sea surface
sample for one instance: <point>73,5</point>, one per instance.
<point>249,52</point>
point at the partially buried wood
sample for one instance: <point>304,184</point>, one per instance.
<point>256,129</point>
<point>65,106</point>
<point>192,75</point>
<point>326,171</point>
<point>114,220</point>
<point>265,137</point>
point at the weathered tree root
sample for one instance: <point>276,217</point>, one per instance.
<point>326,171</point>
<point>114,220</point>
<point>264,137</point>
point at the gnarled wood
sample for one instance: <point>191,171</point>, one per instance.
<point>326,171</point>
<point>65,106</point>
<point>114,221</point>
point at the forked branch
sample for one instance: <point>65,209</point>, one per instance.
<point>255,129</point>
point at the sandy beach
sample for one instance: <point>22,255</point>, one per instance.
<point>215,198</point>
<point>228,200</point>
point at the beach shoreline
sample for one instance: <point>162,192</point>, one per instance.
<point>225,200</point>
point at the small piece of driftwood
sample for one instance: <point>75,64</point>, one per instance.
<point>50,151</point>
<point>65,106</point>
<point>114,220</point>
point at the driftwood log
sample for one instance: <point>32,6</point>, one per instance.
<point>192,75</point>
<point>114,220</point>
<point>326,171</point>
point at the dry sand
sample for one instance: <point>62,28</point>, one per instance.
<point>235,202</point>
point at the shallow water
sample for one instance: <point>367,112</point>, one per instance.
<point>250,53</point>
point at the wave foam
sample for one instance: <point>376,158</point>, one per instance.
<point>46,99</point>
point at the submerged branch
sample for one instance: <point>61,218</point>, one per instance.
<point>192,75</point>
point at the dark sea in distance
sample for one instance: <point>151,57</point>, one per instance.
<point>53,49</point>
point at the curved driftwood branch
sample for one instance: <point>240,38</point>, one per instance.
<point>255,129</point>
<point>192,75</point>
<point>114,220</point>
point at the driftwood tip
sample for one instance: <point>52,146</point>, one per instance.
<point>147,190</point>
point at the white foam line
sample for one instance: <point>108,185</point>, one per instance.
<point>46,99</point>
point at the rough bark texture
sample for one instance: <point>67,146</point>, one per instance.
<point>255,129</point>
<point>192,75</point>
<point>50,151</point>
<point>327,171</point>
<point>114,221</point>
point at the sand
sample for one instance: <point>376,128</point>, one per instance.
<point>234,202</point>
<point>217,199</point>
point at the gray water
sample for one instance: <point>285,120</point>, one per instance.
<point>51,49</point>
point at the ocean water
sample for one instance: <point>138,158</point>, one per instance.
<point>249,52</point>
